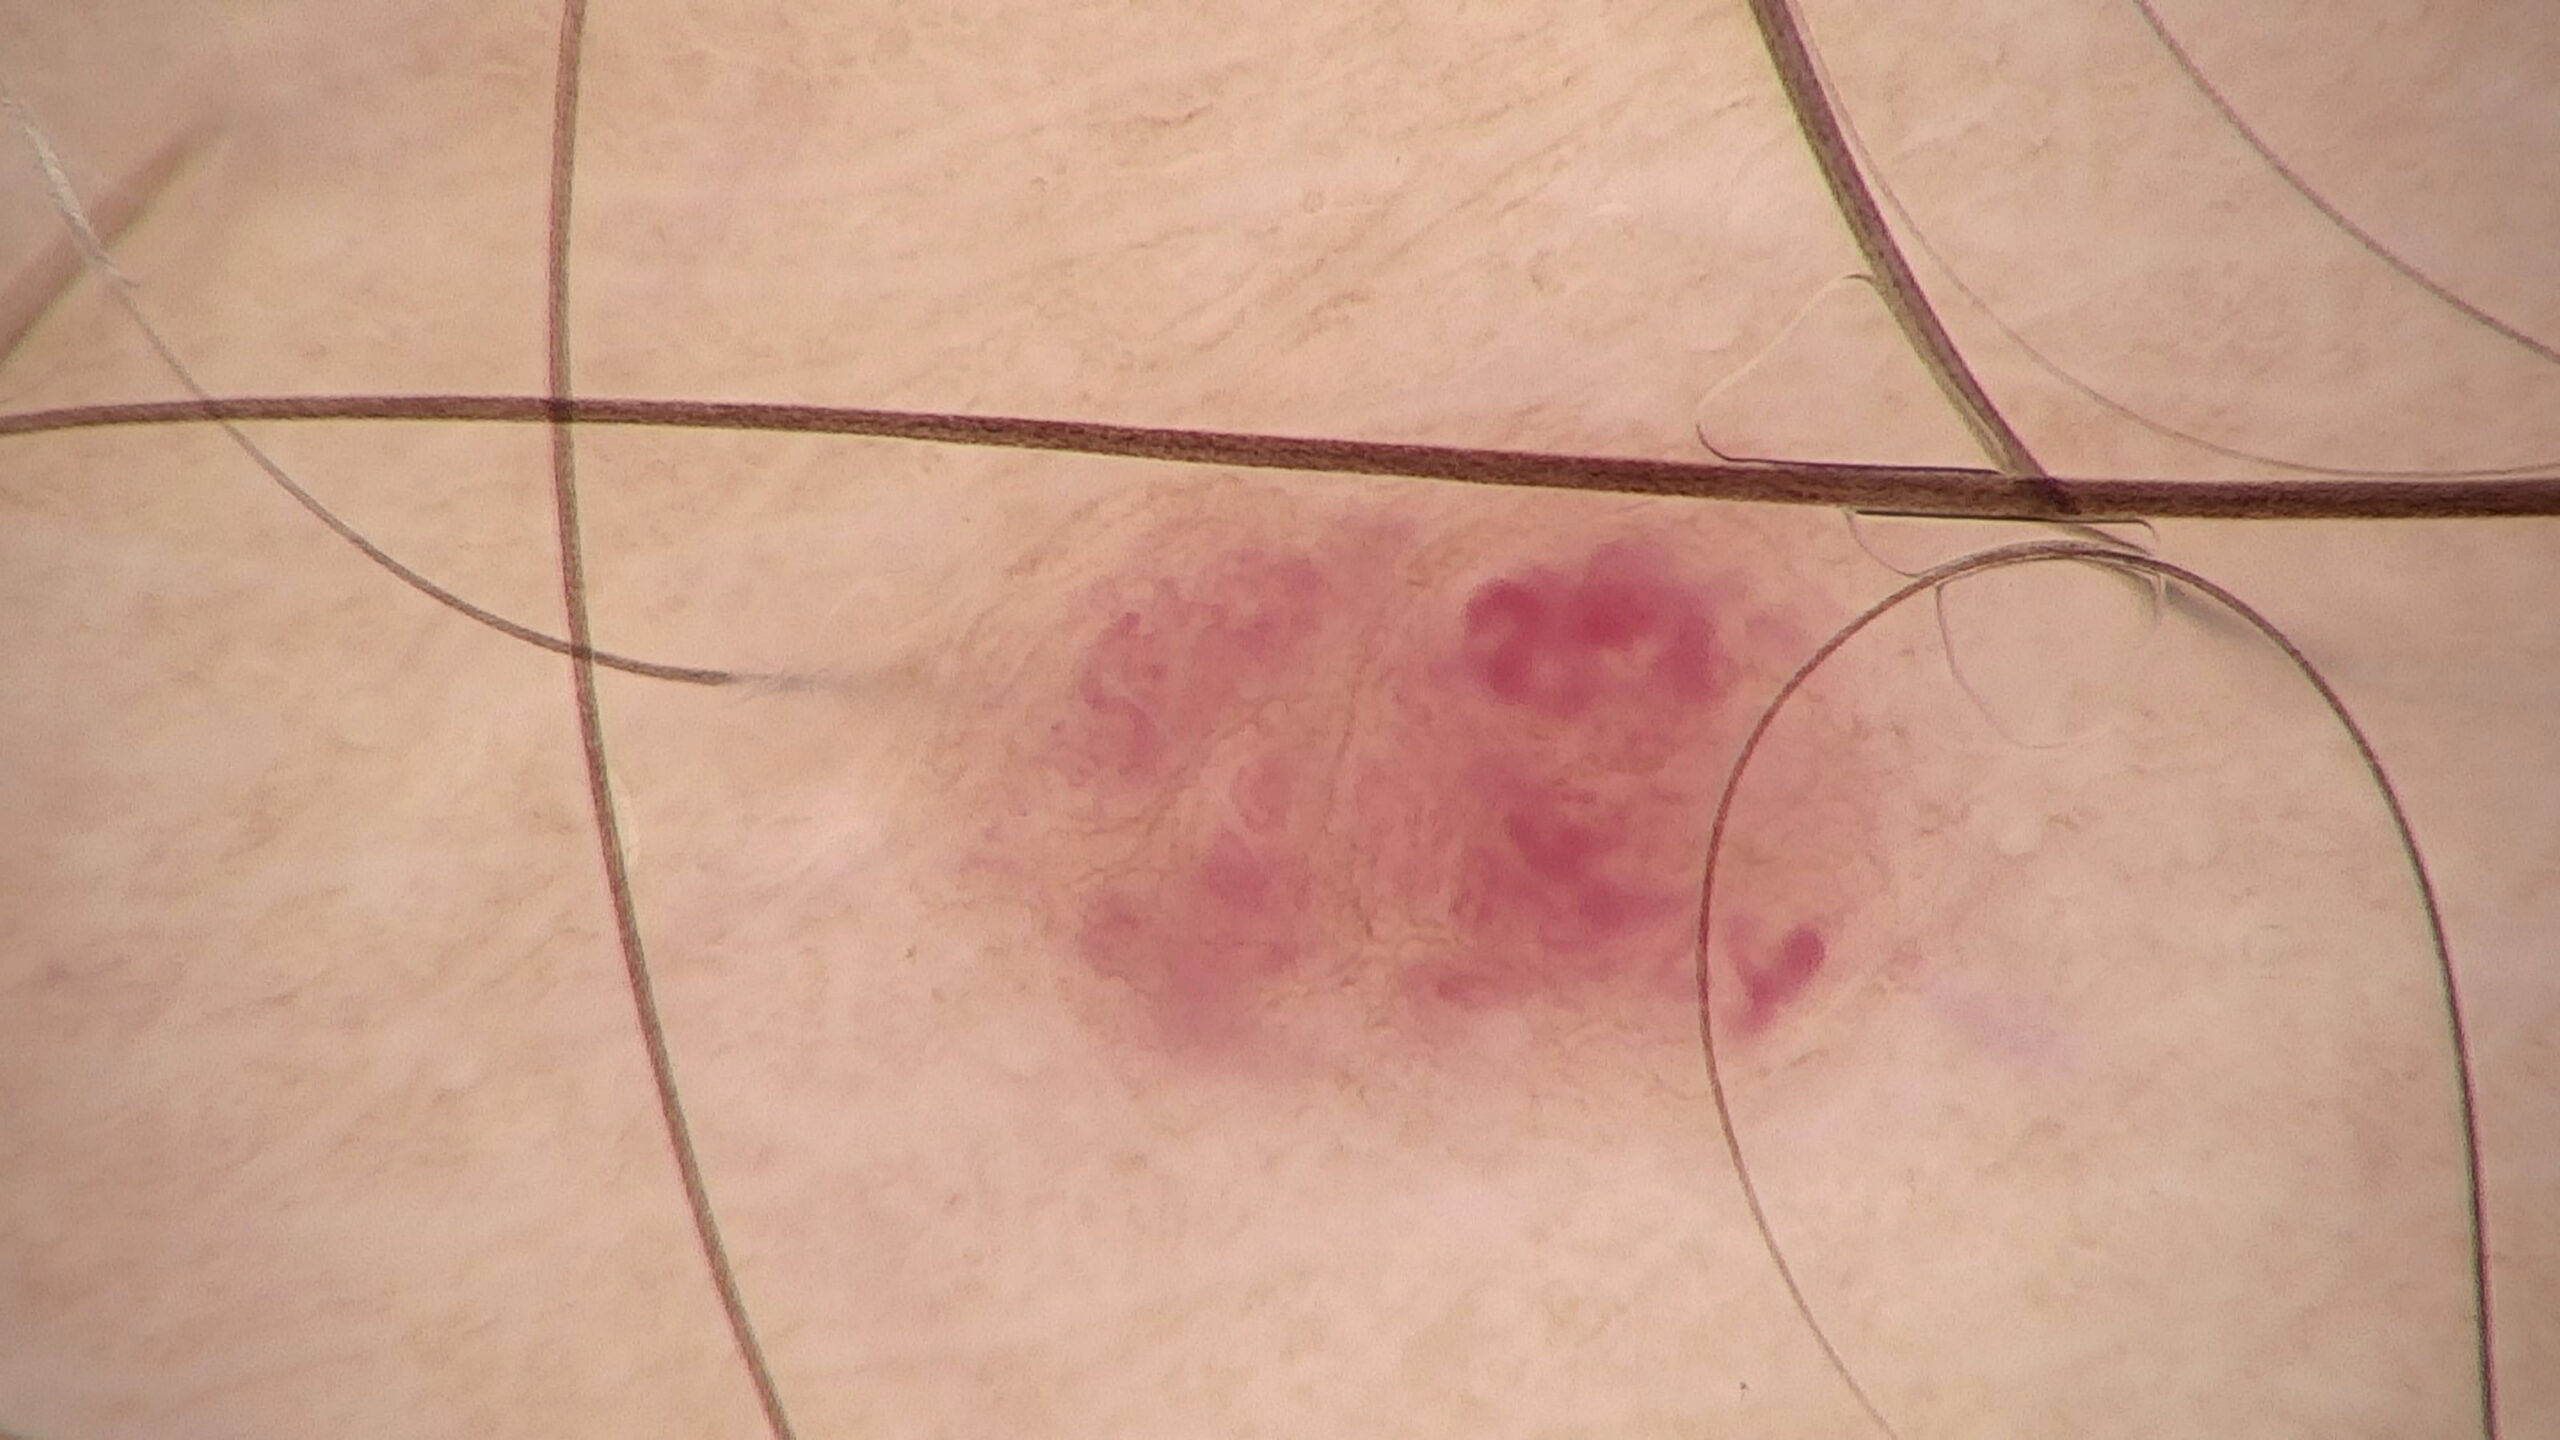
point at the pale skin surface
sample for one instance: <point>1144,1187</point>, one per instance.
<point>325,1107</point>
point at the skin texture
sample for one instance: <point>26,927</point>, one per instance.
<point>338,1019</point>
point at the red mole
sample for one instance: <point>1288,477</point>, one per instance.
<point>1304,793</point>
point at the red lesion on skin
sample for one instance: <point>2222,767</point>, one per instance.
<point>1175,662</point>
<point>1189,748</point>
<point>1510,649</point>
<point>1773,974</point>
<point>1622,631</point>
<point>1785,969</point>
<point>1200,943</point>
<point>1561,871</point>
<point>1516,814</point>
<point>1121,690</point>
<point>1586,809</point>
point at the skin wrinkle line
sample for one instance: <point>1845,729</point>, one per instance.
<point>2054,368</point>
<point>582,669</point>
<point>2328,211</point>
<point>2050,551</point>
<point>562,420</point>
<point>1816,121</point>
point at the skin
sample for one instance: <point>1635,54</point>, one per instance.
<point>2122,1102</point>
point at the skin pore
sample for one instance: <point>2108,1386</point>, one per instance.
<point>2079,1060</point>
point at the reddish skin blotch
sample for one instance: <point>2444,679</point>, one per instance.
<point>1314,800</point>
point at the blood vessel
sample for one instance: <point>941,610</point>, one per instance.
<point>1346,797</point>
